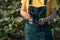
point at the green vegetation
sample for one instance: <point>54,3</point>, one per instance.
<point>12,23</point>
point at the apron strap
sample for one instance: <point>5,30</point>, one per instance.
<point>45,2</point>
<point>30,1</point>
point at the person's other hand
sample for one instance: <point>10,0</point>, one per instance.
<point>42,21</point>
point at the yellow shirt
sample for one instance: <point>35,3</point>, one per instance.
<point>51,4</point>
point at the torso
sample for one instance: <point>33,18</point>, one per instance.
<point>38,3</point>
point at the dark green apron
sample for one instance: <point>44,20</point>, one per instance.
<point>35,31</point>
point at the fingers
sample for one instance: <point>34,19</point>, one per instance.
<point>26,16</point>
<point>41,21</point>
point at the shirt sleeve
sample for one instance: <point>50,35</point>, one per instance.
<point>53,4</point>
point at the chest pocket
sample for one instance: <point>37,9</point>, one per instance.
<point>35,13</point>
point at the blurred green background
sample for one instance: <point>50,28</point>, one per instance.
<point>12,23</point>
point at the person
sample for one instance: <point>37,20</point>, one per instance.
<point>37,13</point>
